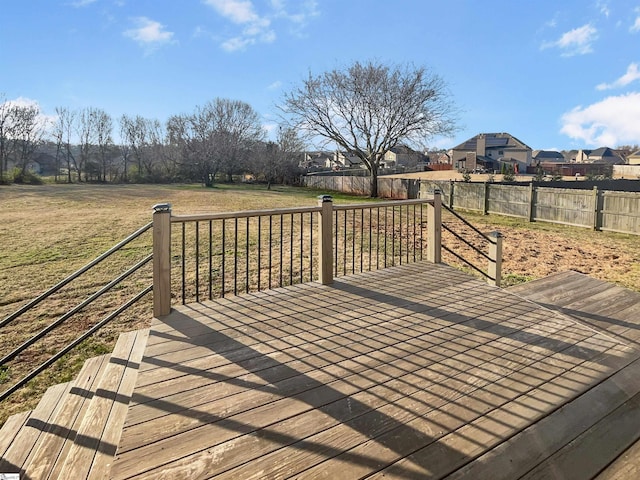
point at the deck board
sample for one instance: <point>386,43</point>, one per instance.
<point>412,371</point>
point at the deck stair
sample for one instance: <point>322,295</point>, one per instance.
<point>571,411</point>
<point>74,430</point>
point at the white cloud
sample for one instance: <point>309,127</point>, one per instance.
<point>257,28</point>
<point>636,24</point>
<point>81,3</point>
<point>604,8</point>
<point>275,85</point>
<point>575,42</point>
<point>149,33</point>
<point>631,75</point>
<point>609,122</point>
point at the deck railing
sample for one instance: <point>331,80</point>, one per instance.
<point>212,255</point>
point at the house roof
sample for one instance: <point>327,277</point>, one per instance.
<point>492,140</point>
<point>545,154</point>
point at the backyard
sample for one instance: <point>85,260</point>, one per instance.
<point>49,231</point>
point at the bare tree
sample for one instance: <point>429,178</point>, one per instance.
<point>28,133</point>
<point>62,132</point>
<point>104,141</point>
<point>7,126</point>
<point>215,138</point>
<point>368,108</point>
<point>87,131</point>
<point>278,162</point>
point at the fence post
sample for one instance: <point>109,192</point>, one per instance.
<point>495,255</point>
<point>325,227</point>
<point>532,193</point>
<point>595,207</point>
<point>485,206</point>
<point>161,259</point>
<point>434,229</point>
<point>451,184</point>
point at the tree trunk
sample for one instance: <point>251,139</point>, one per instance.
<point>374,182</point>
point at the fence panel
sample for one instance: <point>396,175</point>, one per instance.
<point>620,212</point>
<point>561,205</point>
<point>469,196</point>
<point>511,200</point>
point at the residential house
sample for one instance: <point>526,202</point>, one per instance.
<point>316,160</point>
<point>634,158</point>
<point>547,156</point>
<point>599,155</point>
<point>489,151</point>
<point>403,156</point>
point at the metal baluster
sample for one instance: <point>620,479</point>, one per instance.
<point>291,250</point>
<point>235,256</point>
<point>184,266</point>
<point>259,250</point>
<point>270,247</point>
<point>210,259</point>
<point>246,275</point>
<point>224,247</point>
<point>197,261</point>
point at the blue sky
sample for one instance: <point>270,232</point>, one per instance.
<point>555,74</point>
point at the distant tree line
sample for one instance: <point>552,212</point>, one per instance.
<point>216,142</point>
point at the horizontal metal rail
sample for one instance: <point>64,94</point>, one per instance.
<point>22,382</point>
<point>74,275</point>
<point>73,311</point>
<point>462,259</point>
<point>466,242</point>
<point>462,219</point>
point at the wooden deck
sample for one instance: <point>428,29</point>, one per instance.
<point>412,372</point>
<point>418,371</point>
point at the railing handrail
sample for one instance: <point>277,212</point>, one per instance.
<point>33,339</point>
<point>203,217</point>
<point>35,372</point>
<point>28,306</point>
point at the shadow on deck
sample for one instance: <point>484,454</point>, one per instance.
<point>417,371</point>
<point>412,372</point>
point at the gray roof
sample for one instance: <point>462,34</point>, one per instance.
<point>492,140</point>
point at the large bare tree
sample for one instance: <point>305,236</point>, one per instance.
<point>369,108</point>
<point>216,137</point>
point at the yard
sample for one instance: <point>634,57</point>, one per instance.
<point>48,232</point>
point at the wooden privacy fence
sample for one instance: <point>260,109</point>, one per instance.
<point>597,209</point>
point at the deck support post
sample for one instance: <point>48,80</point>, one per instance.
<point>434,228</point>
<point>161,259</point>
<point>495,255</point>
<point>325,228</point>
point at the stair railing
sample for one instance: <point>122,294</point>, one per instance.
<point>73,311</point>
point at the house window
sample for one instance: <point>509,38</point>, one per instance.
<point>500,152</point>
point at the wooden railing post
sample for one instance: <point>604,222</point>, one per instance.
<point>325,227</point>
<point>161,259</point>
<point>434,229</point>
<point>495,254</point>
